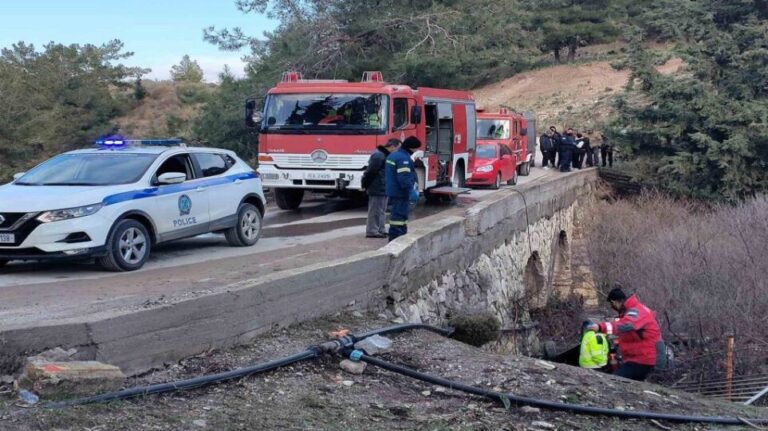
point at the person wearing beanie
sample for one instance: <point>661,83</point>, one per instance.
<point>594,347</point>
<point>400,176</point>
<point>639,336</point>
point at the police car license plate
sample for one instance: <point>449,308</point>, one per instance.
<point>318,176</point>
<point>7,238</point>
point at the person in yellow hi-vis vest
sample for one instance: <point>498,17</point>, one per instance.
<point>594,347</point>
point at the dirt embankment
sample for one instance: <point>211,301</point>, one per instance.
<point>318,395</point>
<point>566,95</point>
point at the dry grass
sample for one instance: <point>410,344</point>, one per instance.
<point>702,269</point>
<point>168,109</point>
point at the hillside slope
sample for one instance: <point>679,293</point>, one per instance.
<point>168,109</point>
<point>565,95</point>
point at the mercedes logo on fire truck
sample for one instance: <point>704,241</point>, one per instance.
<point>319,156</point>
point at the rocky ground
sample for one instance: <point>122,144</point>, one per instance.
<point>318,395</point>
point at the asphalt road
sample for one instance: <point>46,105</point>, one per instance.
<point>317,220</point>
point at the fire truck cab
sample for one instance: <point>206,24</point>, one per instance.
<point>509,128</point>
<point>317,135</point>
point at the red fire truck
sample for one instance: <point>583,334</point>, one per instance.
<point>510,128</point>
<point>317,135</point>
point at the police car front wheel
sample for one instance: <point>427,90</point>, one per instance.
<point>128,247</point>
<point>247,230</point>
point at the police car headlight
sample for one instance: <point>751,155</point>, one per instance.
<point>68,213</point>
<point>486,168</point>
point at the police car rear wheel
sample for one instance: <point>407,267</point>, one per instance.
<point>128,247</point>
<point>247,230</point>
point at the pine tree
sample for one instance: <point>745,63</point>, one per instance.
<point>703,133</point>
<point>187,71</point>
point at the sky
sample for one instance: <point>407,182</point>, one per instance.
<point>159,32</point>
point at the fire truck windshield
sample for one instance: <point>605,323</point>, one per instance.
<point>318,113</point>
<point>492,129</point>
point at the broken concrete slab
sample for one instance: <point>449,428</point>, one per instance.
<point>58,379</point>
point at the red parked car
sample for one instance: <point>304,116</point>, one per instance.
<point>495,163</point>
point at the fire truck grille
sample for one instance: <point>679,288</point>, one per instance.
<point>332,162</point>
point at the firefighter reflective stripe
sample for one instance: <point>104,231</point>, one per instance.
<point>398,222</point>
<point>626,327</point>
<point>608,328</point>
<point>401,170</point>
<point>390,162</point>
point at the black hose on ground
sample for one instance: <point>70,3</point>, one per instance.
<point>446,332</point>
<point>193,383</point>
<point>551,405</point>
<point>205,380</point>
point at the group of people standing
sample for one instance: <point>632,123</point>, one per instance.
<point>390,179</point>
<point>573,149</point>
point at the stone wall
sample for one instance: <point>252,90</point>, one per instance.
<point>506,262</point>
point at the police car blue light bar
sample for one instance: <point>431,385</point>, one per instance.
<point>118,141</point>
<point>158,142</point>
<point>112,141</point>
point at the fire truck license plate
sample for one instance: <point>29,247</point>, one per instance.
<point>318,176</point>
<point>7,238</point>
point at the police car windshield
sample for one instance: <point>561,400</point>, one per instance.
<point>354,113</point>
<point>492,129</point>
<point>88,169</point>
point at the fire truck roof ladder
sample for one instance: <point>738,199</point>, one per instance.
<point>373,76</point>
<point>292,76</point>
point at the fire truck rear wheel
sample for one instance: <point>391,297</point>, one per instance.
<point>459,180</point>
<point>525,169</point>
<point>288,199</point>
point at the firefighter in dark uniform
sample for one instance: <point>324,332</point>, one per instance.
<point>400,177</point>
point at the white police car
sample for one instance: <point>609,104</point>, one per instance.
<point>115,202</point>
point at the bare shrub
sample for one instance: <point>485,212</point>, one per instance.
<point>702,269</point>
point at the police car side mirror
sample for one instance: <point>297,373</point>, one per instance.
<point>415,114</point>
<point>172,178</point>
<point>18,175</point>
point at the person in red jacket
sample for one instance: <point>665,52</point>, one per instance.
<point>639,336</point>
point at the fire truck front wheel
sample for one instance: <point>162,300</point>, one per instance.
<point>288,199</point>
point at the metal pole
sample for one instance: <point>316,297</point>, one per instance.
<point>757,396</point>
